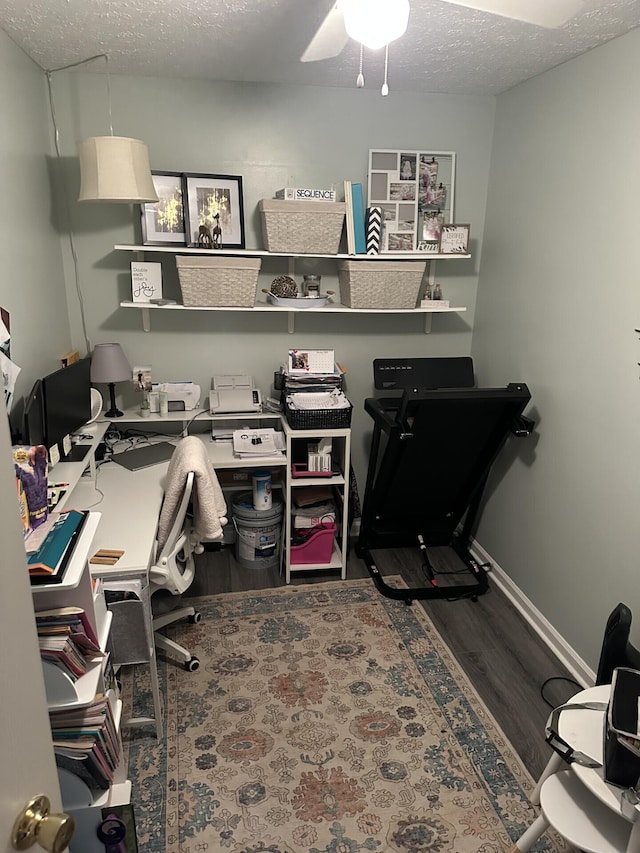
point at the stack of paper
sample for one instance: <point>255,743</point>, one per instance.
<point>85,741</point>
<point>253,443</point>
<point>317,401</point>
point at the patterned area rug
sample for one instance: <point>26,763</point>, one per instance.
<point>323,719</point>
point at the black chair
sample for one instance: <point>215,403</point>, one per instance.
<point>616,648</point>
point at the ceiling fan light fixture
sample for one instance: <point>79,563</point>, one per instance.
<point>375,23</point>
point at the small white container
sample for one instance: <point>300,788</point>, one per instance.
<point>163,399</point>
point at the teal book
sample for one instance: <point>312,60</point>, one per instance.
<point>358,219</point>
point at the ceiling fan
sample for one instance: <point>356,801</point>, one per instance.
<point>334,32</point>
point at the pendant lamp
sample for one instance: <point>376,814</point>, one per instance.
<point>112,168</point>
<point>115,169</point>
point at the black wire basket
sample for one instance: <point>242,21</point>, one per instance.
<point>317,418</point>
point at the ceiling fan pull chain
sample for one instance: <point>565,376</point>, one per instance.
<point>360,77</point>
<point>385,86</point>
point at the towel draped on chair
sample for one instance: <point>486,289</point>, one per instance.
<point>209,505</point>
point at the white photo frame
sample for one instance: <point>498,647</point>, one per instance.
<point>410,185</point>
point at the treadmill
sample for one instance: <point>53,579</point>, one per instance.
<point>432,449</point>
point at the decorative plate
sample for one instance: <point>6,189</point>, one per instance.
<point>298,301</point>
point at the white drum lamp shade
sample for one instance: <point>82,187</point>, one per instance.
<point>109,365</point>
<point>115,169</point>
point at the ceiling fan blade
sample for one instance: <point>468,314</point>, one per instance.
<point>543,13</point>
<point>329,40</point>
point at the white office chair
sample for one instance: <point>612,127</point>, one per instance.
<point>173,573</point>
<point>190,479</point>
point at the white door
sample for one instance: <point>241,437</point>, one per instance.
<point>27,765</point>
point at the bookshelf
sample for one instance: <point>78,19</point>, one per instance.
<point>66,694</point>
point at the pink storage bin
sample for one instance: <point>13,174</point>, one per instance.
<point>317,548</point>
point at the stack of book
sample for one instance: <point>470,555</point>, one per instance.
<point>312,382</point>
<point>85,742</point>
<point>67,640</point>
<point>356,235</point>
<point>50,547</point>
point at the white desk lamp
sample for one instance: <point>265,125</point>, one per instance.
<point>109,365</point>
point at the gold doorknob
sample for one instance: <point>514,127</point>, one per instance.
<point>36,825</point>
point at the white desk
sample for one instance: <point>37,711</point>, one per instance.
<point>130,506</point>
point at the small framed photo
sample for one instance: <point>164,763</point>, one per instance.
<point>214,211</point>
<point>454,239</point>
<point>163,220</point>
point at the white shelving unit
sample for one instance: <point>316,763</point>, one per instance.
<point>76,589</point>
<point>260,306</point>
<point>339,483</point>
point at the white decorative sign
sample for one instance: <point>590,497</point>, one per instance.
<point>146,281</point>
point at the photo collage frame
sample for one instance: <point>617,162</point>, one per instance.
<point>415,190</point>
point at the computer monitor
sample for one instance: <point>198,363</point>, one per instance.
<point>67,400</point>
<point>34,415</point>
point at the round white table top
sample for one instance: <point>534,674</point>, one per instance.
<point>584,731</point>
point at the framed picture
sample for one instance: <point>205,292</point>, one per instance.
<point>454,239</point>
<point>415,190</point>
<point>214,211</point>
<point>163,220</point>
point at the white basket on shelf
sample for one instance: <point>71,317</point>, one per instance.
<point>218,282</point>
<point>380,284</point>
<point>302,227</point>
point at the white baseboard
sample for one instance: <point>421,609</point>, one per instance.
<point>582,673</point>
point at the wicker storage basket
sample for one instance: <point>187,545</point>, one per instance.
<point>317,418</point>
<point>380,284</point>
<point>218,282</point>
<point>302,227</point>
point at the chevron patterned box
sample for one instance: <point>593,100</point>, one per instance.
<point>380,284</point>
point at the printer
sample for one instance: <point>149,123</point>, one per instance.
<point>181,396</point>
<point>233,393</point>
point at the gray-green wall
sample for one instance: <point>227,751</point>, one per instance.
<point>556,305</point>
<point>271,136</point>
<point>558,302</point>
<point>31,279</point>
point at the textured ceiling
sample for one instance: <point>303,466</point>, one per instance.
<point>447,48</point>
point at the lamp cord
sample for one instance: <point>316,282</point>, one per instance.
<point>56,136</point>
<point>84,62</point>
<point>360,77</point>
<point>385,86</point>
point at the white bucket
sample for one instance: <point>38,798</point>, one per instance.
<point>258,539</point>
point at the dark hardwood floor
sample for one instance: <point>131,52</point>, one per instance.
<point>503,657</point>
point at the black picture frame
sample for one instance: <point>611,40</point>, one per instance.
<point>162,221</point>
<point>207,197</point>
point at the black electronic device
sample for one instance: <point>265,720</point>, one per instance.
<point>396,374</point>
<point>67,403</point>
<point>34,432</point>
<point>430,457</point>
